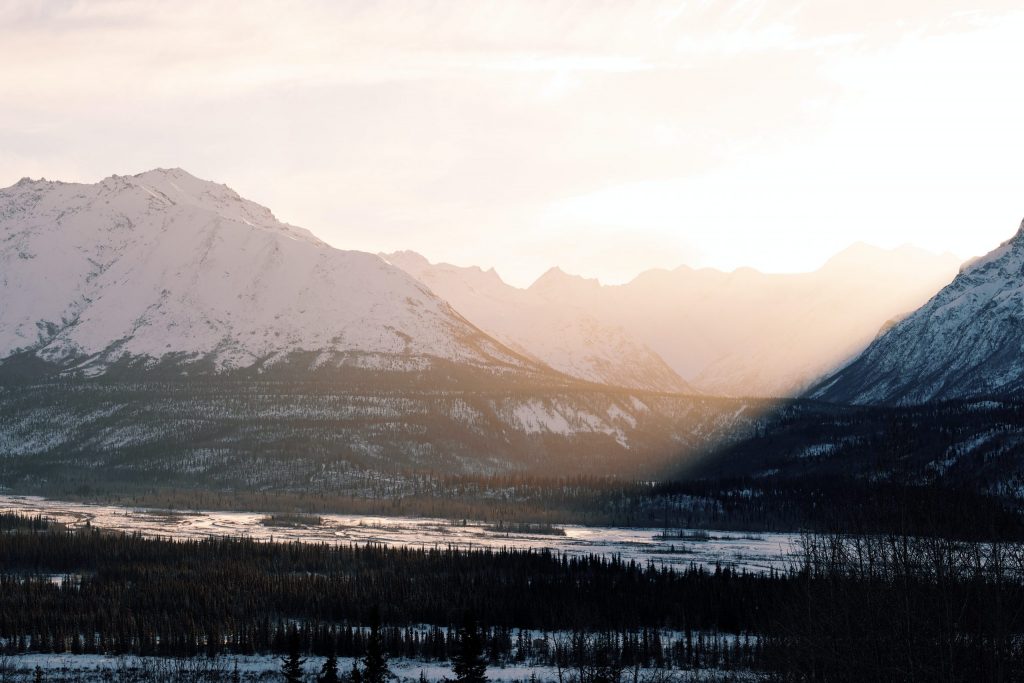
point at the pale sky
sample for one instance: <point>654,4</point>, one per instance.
<point>604,137</point>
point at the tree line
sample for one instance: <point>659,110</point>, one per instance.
<point>852,607</point>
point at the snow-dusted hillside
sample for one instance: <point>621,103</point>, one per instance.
<point>967,341</point>
<point>163,265</point>
<point>558,334</point>
<point>256,434</point>
<point>747,333</point>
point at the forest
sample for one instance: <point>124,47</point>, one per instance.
<point>851,607</point>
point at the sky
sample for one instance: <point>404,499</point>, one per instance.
<point>603,137</point>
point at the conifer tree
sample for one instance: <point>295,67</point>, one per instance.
<point>375,663</point>
<point>470,664</point>
<point>329,671</point>
<point>291,665</point>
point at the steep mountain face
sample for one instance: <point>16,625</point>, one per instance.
<point>163,268</point>
<point>747,333</point>
<point>967,341</point>
<point>558,334</point>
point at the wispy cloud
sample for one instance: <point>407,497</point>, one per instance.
<point>452,127</point>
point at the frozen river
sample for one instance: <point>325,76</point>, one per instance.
<point>753,552</point>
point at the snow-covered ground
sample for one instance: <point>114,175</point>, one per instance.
<point>752,552</point>
<point>90,668</point>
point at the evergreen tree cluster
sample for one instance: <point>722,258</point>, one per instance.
<point>188,590</point>
<point>870,607</point>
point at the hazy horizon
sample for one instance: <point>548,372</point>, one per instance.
<point>630,278</point>
<point>555,266</point>
<point>607,140</point>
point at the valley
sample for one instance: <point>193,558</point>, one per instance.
<point>220,400</point>
<point>678,549</point>
<point>527,342</point>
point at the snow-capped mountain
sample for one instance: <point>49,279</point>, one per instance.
<point>558,334</point>
<point>195,337</point>
<point>967,341</point>
<point>747,333</point>
<point>164,266</point>
<point>198,337</point>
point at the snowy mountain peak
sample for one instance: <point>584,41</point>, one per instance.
<point>407,259</point>
<point>556,280</point>
<point>426,272</point>
<point>180,185</point>
<point>165,265</point>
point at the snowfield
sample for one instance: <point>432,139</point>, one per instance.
<point>66,668</point>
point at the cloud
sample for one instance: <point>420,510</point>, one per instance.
<point>466,129</point>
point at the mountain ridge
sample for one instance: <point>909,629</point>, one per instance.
<point>965,342</point>
<point>748,333</point>
<point>163,263</point>
<point>557,334</point>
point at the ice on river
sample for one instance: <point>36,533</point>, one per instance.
<point>740,550</point>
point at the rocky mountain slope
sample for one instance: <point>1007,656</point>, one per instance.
<point>558,334</point>
<point>967,341</point>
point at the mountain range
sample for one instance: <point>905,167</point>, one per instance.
<point>748,333</point>
<point>159,327</point>
<point>936,398</point>
<point>165,268</point>
<point>556,333</point>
